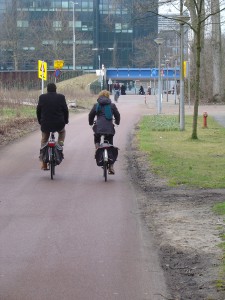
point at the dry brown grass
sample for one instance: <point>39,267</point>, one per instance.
<point>75,90</point>
<point>17,96</point>
<point>78,90</point>
<point>17,119</point>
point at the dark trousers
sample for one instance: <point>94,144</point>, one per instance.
<point>45,136</point>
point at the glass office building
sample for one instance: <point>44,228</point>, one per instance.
<point>84,33</point>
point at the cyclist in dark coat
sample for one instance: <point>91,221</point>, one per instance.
<point>105,111</point>
<point>52,114</point>
<point>141,90</point>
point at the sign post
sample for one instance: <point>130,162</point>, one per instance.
<point>58,65</point>
<point>42,73</point>
<point>102,76</point>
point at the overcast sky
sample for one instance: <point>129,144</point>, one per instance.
<point>175,8</point>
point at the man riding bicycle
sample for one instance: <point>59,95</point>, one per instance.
<point>116,90</point>
<point>52,114</point>
<point>105,110</point>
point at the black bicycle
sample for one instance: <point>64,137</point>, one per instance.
<point>105,156</point>
<point>51,154</point>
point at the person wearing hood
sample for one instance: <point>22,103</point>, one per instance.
<point>105,111</point>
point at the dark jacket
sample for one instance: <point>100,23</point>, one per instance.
<point>52,112</point>
<point>104,126</point>
<point>141,90</point>
<point>116,86</point>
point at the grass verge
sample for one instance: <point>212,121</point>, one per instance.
<point>15,115</point>
<point>219,209</point>
<point>174,155</point>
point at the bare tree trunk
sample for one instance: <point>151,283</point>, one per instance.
<point>197,78</point>
<point>197,11</point>
<point>216,53</point>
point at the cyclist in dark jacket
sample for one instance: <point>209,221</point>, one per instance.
<point>141,90</point>
<point>52,114</point>
<point>105,111</point>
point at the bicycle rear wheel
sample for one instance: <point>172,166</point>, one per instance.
<point>52,163</point>
<point>105,167</point>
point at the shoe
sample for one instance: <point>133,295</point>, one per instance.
<point>111,170</point>
<point>44,166</point>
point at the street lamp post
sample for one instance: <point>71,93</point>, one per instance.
<point>101,68</point>
<point>159,42</point>
<point>167,65</point>
<point>99,57</point>
<point>175,81</point>
<point>182,19</point>
<point>74,37</point>
<point>99,60</point>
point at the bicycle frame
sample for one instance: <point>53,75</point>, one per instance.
<point>104,145</point>
<point>104,162</point>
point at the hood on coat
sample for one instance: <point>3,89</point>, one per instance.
<point>103,100</point>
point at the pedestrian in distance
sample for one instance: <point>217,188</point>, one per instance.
<point>52,114</point>
<point>116,86</point>
<point>178,88</point>
<point>123,89</point>
<point>141,90</point>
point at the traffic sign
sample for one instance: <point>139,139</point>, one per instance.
<point>42,70</point>
<point>58,64</point>
<point>57,72</point>
<point>185,66</point>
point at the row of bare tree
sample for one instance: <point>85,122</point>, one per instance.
<point>206,54</point>
<point>47,38</point>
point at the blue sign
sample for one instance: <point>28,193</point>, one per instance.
<point>142,73</point>
<point>57,73</point>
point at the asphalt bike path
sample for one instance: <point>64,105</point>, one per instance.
<point>77,236</point>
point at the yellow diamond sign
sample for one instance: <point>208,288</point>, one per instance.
<point>58,64</point>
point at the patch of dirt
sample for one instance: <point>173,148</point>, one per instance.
<point>185,230</point>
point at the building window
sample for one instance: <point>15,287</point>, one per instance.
<point>77,24</point>
<point>57,25</point>
<point>118,27</point>
<point>21,23</point>
<point>65,4</point>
